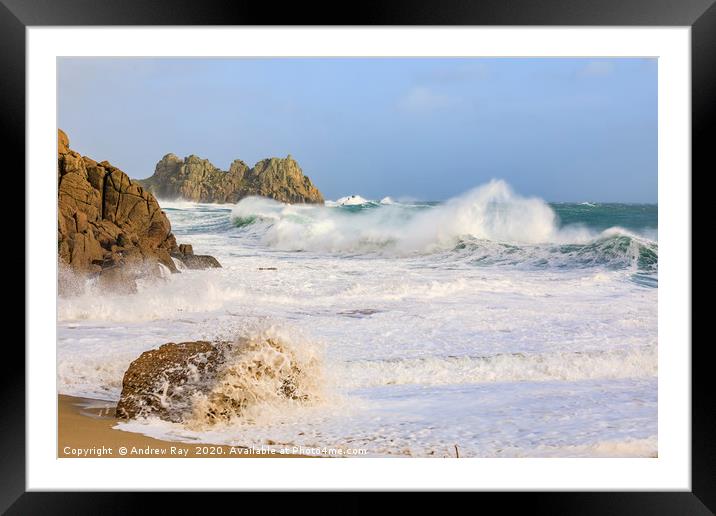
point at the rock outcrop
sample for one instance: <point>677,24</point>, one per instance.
<point>161,381</point>
<point>196,179</point>
<point>110,226</point>
<point>201,383</point>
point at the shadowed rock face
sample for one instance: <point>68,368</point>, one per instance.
<point>196,179</point>
<point>109,225</point>
<point>200,383</point>
<point>161,381</point>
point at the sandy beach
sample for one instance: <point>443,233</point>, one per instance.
<point>85,430</point>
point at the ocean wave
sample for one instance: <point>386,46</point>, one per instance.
<point>351,200</point>
<point>260,375</point>
<point>492,212</point>
<point>189,218</point>
<point>494,224</point>
<point>515,367</point>
<point>190,292</point>
<point>615,248</point>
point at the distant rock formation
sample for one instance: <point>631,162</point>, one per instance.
<point>196,179</point>
<point>109,226</point>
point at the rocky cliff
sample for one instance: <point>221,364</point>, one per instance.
<point>111,227</point>
<point>196,179</point>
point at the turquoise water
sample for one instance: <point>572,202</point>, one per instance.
<point>641,218</point>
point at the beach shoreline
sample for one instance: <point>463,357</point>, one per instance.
<point>519,350</point>
<point>85,429</point>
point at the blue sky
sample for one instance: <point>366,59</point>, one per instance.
<point>561,129</point>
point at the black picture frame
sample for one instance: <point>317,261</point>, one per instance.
<point>700,15</point>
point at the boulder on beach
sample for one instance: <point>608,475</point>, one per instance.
<point>202,383</point>
<point>196,261</point>
<point>196,179</point>
<point>161,381</point>
<point>109,226</point>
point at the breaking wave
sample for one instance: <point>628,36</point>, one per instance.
<point>614,249</point>
<point>260,376</point>
<point>513,367</point>
<point>490,225</point>
<point>255,378</point>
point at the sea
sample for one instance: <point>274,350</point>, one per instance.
<point>487,325</point>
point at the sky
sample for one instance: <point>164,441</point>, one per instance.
<point>410,128</point>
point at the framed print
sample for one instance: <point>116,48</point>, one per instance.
<point>438,248</point>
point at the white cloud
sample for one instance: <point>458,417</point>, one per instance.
<point>596,69</point>
<point>421,99</point>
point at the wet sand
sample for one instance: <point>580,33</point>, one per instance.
<point>85,430</point>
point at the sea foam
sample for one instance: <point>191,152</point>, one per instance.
<point>492,224</point>
<point>492,212</point>
<point>483,322</point>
